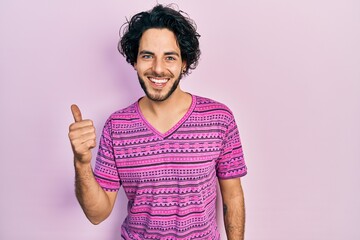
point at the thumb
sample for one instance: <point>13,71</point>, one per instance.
<point>76,113</point>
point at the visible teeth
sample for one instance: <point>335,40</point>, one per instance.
<point>158,80</point>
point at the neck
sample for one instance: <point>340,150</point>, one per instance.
<point>177,102</point>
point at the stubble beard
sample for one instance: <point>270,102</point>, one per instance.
<point>158,97</point>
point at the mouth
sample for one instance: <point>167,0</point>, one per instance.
<point>159,81</point>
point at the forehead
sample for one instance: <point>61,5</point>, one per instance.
<point>158,41</point>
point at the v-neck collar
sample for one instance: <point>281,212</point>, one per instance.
<point>173,128</point>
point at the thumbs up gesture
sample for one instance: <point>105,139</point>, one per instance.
<point>82,136</point>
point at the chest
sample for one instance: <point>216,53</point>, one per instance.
<point>190,153</point>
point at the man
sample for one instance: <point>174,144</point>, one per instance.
<point>168,149</point>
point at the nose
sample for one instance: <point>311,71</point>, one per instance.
<point>158,66</point>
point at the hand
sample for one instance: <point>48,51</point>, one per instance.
<point>82,136</point>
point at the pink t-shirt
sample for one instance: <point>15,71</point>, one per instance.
<point>170,179</point>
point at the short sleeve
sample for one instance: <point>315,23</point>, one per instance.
<point>105,171</point>
<point>231,163</point>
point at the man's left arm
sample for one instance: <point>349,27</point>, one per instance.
<point>234,208</point>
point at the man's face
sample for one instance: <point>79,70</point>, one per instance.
<point>159,64</point>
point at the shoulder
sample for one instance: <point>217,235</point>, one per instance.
<point>207,105</point>
<point>124,115</point>
<point>127,112</point>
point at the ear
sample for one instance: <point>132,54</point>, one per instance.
<point>135,66</point>
<point>183,67</point>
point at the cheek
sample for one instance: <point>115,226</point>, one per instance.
<point>175,69</point>
<point>140,68</point>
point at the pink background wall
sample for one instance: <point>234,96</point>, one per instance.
<point>290,71</point>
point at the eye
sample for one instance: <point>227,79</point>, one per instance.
<point>146,56</point>
<point>170,58</point>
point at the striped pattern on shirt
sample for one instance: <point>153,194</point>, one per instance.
<point>170,179</point>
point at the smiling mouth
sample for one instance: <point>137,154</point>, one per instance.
<point>159,81</point>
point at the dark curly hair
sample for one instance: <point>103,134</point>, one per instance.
<point>160,16</point>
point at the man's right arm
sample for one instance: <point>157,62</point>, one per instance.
<point>96,203</point>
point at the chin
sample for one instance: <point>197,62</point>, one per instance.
<point>160,95</point>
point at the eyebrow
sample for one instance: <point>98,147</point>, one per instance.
<point>172,53</point>
<point>145,52</point>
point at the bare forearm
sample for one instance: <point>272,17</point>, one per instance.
<point>95,202</point>
<point>92,198</point>
<point>234,218</point>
